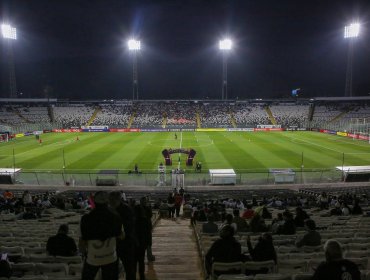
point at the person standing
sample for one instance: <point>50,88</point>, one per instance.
<point>126,247</point>
<point>143,231</point>
<point>178,203</point>
<point>100,230</point>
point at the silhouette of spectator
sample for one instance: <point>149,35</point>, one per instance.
<point>61,244</point>
<point>226,249</point>
<point>311,237</point>
<point>335,267</point>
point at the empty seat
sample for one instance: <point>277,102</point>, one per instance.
<point>292,266</point>
<point>52,269</point>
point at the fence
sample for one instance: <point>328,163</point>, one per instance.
<point>62,178</point>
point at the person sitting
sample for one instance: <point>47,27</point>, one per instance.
<point>288,227</point>
<point>346,211</point>
<point>335,267</point>
<point>312,237</point>
<point>210,226</point>
<point>300,217</point>
<point>277,222</point>
<point>226,249</point>
<point>229,221</point>
<point>61,244</point>
<point>249,213</point>
<point>257,224</point>
<point>263,251</point>
<point>337,211</point>
<point>241,224</point>
<point>357,210</point>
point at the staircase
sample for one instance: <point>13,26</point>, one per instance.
<point>271,116</point>
<point>232,119</point>
<point>338,117</point>
<point>93,116</point>
<point>164,121</point>
<point>51,114</point>
<point>197,117</point>
<point>21,116</point>
<point>176,252</point>
<point>131,120</point>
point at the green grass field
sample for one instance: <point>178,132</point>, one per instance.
<point>238,150</point>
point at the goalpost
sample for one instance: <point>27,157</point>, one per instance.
<point>360,126</point>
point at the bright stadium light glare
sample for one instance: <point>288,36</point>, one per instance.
<point>8,32</point>
<point>225,44</point>
<point>352,30</point>
<point>133,45</point>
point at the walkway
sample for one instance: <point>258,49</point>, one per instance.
<point>176,253</point>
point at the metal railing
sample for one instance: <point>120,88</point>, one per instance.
<point>121,178</point>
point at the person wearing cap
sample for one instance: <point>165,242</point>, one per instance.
<point>61,244</point>
<point>311,237</point>
<point>100,229</point>
<point>336,267</point>
<point>226,249</point>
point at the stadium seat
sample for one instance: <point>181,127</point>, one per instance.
<point>52,269</point>
<point>256,266</point>
<point>222,268</point>
<point>272,277</point>
<point>291,266</point>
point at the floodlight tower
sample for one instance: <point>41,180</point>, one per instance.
<point>351,32</point>
<point>134,47</point>
<point>9,34</point>
<point>225,46</point>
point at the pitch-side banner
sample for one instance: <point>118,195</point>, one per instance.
<point>342,133</point>
<point>268,129</point>
<point>97,127</point>
<point>210,129</point>
<point>66,130</point>
<point>124,130</point>
<point>240,129</point>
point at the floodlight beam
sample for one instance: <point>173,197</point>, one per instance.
<point>352,30</point>
<point>134,45</point>
<point>225,44</point>
<point>8,32</point>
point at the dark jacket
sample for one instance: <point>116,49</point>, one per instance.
<point>100,224</point>
<point>287,228</point>
<point>337,270</point>
<point>311,238</point>
<point>209,227</point>
<point>61,245</point>
<point>223,250</point>
<point>263,251</point>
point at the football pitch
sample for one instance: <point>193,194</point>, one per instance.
<point>242,151</point>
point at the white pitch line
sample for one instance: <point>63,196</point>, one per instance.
<point>314,144</point>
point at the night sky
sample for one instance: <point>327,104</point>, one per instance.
<point>76,49</point>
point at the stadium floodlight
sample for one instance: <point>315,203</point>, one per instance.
<point>133,45</point>
<point>352,30</point>
<point>8,32</point>
<point>225,44</point>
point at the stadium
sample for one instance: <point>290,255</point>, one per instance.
<point>187,159</point>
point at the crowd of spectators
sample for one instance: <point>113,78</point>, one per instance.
<point>72,116</point>
<point>250,115</point>
<point>215,115</point>
<point>288,115</point>
<point>113,115</point>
